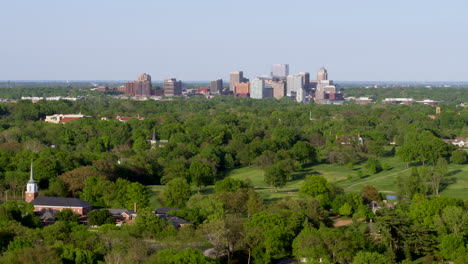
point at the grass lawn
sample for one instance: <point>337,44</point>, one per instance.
<point>459,189</point>
<point>383,181</point>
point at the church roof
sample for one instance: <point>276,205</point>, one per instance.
<point>59,201</point>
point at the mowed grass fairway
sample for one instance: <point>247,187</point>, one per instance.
<point>384,181</point>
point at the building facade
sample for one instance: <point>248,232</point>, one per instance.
<point>242,90</point>
<point>294,83</point>
<point>279,89</point>
<point>279,71</point>
<point>140,88</point>
<point>257,89</point>
<point>235,78</point>
<point>172,87</point>
<point>51,205</point>
<point>216,86</point>
<point>322,74</point>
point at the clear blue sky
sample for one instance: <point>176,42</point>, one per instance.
<point>421,40</point>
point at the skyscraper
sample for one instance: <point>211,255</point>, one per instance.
<point>278,89</point>
<point>144,77</point>
<point>257,88</point>
<point>306,80</point>
<point>279,71</point>
<point>322,74</point>
<point>234,78</point>
<point>294,83</point>
<point>326,91</point>
<point>141,87</point>
<point>216,86</point>
<point>172,87</point>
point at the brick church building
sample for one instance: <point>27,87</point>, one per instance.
<point>51,205</point>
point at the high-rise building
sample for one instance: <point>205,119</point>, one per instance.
<point>172,87</point>
<point>279,90</point>
<point>216,86</point>
<point>144,77</point>
<point>141,87</point>
<point>279,71</point>
<point>306,80</point>
<point>257,89</point>
<point>235,78</point>
<point>326,91</point>
<point>322,74</point>
<point>294,83</point>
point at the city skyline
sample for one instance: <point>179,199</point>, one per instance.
<point>358,41</point>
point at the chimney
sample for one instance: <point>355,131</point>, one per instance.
<point>135,207</point>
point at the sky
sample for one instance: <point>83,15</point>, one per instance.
<point>360,40</point>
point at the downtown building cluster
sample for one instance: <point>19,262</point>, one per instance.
<point>277,85</point>
<point>280,84</point>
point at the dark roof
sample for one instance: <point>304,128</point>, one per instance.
<point>120,211</point>
<point>165,210</point>
<point>60,201</point>
<point>176,221</point>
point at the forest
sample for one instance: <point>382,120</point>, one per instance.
<point>112,164</point>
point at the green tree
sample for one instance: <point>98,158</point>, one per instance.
<point>131,193</point>
<point>453,248</point>
<point>437,175</point>
<point>459,156</point>
<point>100,217</point>
<point>303,152</point>
<point>409,185</point>
<point>346,209</point>
<point>373,165</point>
<point>275,236</point>
<point>200,174</point>
<point>176,193</point>
<point>230,185</point>
<point>224,233</point>
<point>67,215</point>
<point>171,256</point>
<point>452,219</point>
<point>365,257</point>
<point>276,176</point>
<point>317,186</point>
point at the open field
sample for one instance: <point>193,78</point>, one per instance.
<point>383,181</point>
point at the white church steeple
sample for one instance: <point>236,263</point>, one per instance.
<point>31,187</point>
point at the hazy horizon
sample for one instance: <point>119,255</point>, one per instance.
<point>407,41</point>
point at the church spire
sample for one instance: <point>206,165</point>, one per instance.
<point>31,188</point>
<point>31,177</point>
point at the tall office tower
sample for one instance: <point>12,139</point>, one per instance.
<point>322,74</point>
<point>141,87</point>
<point>172,87</point>
<point>257,88</point>
<point>279,90</point>
<point>294,83</point>
<point>216,86</point>
<point>279,71</point>
<point>235,77</point>
<point>144,77</point>
<point>306,79</point>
